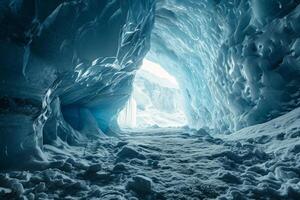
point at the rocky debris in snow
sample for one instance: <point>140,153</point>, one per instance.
<point>121,144</point>
<point>129,153</point>
<point>103,177</point>
<point>94,168</point>
<point>201,132</point>
<point>140,184</point>
<point>153,163</point>
<point>41,187</point>
<point>176,168</point>
<point>17,188</point>
<point>31,196</point>
<point>4,190</point>
<point>119,168</point>
<point>80,186</point>
<point>229,178</point>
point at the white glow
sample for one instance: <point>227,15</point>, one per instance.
<point>156,100</point>
<point>158,71</point>
<point>127,116</point>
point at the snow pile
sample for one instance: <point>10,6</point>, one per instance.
<point>270,154</point>
<point>236,61</point>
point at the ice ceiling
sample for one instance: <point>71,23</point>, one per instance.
<point>67,67</point>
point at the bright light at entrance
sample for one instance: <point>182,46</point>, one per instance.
<point>159,72</point>
<point>156,100</point>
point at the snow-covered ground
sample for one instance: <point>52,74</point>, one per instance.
<point>258,162</point>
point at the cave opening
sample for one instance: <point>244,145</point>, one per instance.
<point>156,100</point>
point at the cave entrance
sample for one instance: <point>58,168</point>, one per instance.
<point>156,100</point>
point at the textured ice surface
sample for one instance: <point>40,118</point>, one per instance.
<point>237,61</point>
<point>66,69</point>
<point>259,162</point>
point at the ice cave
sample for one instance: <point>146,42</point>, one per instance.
<point>149,99</point>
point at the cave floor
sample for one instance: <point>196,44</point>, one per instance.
<point>168,164</point>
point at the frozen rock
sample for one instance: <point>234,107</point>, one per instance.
<point>118,168</point>
<point>103,177</point>
<point>67,167</point>
<point>40,187</point>
<point>4,191</point>
<point>80,185</point>
<point>229,178</point>
<point>129,153</point>
<point>94,168</point>
<point>153,163</point>
<point>295,149</point>
<point>121,144</point>
<point>42,195</point>
<point>31,196</point>
<point>202,132</point>
<point>17,188</point>
<point>140,184</point>
<point>295,134</point>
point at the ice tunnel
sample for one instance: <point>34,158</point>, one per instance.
<point>214,84</point>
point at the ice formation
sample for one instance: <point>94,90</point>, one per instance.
<point>236,60</point>
<point>69,67</point>
<point>66,69</point>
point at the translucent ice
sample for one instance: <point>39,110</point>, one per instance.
<point>236,61</point>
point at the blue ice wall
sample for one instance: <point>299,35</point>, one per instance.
<point>66,69</point>
<point>238,61</point>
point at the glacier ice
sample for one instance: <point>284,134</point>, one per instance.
<point>69,67</point>
<point>63,62</point>
<point>237,60</point>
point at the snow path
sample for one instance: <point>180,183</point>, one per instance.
<point>169,164</point>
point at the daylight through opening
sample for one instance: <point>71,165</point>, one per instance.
<point>156,100</point>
